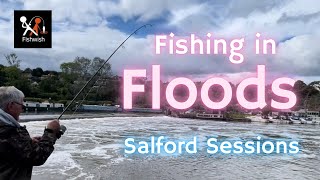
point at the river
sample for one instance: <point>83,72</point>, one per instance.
<point>94,149</point>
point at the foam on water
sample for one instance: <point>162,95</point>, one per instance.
<point>61,159</point>
<point>99,142</point>
<point>99,151</point>
<point>25,117</point>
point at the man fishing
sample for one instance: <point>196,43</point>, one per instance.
<point>18,151</point>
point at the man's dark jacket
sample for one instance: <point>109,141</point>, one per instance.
<point>18,154</point>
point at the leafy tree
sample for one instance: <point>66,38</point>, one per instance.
<point>27,70</point>
<point>55,73</point>
<point>70,71</point>
<point>75,74</point>
<point>14,77</point>
<point>306,94</point>
<point>83,65</point>
<point>3,78</point>
<point>69,67</point>
<point>38,72</point>
<point>12,73</point>
<point>49,85</point>
<point>23,84</point>
<point>105,70</point>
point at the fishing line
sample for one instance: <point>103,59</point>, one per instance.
<point>78,105</point>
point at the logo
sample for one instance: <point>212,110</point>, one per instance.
<point>32,29</point>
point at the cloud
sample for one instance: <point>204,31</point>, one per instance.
<point>84,12</point>
<point>303,18</point>
<point>144,9</point>
<point>303,57</point>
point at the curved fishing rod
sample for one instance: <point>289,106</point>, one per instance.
<point>62,127</point>
<point>75,97</point>
<point>86,96</point>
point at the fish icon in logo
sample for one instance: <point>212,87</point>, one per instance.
<point>36,28</point>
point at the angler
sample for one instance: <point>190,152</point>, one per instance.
<point>18,151</point>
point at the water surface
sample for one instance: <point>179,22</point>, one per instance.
<point>94,149</point>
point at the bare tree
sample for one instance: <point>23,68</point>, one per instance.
<point>13,60</point>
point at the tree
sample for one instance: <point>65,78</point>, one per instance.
<point>12,73</point>
<point>70,71</point>
<point>13,60</point>
<point>105,70</point>
<point>49,85</point>
<point>55,73</point>
<point>83,65</point>
<point>27,71</point>
<point>306,94</point>
<point>38,72</point>
<point>266,110</point>
<point>70,67</point>
<point>14,78</point>
<point>3,79</point>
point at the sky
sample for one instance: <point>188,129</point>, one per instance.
<point>95,28</point>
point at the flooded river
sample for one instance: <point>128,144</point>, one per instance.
<point>94,149</point>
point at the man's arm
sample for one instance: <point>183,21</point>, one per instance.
<point>29,153</point>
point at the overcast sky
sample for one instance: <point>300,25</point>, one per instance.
<point>93,28</point>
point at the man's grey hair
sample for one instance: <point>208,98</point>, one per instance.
<point>9,94</point>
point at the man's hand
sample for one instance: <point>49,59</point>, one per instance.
<point>36,139</point>
<point>54,125</point>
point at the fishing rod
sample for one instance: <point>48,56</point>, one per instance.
<point>63,128</point>
<point>86,96</point>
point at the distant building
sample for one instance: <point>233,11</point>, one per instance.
<point>44,106</point>
<point>99,108</point>
<point>285,114</point>
<point>144,110</point>
<point>307,113</point>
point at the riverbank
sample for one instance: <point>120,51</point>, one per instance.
<point>239,118</point>
<point>88,115</point>
<point>45,117</point>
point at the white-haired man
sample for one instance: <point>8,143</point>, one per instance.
<point>18,151</point>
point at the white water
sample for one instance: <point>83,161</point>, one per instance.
<point>93,149</point>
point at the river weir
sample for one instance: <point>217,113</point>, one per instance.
<point>94,149</point>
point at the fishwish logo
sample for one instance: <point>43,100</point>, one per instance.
<point>32,29</point>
